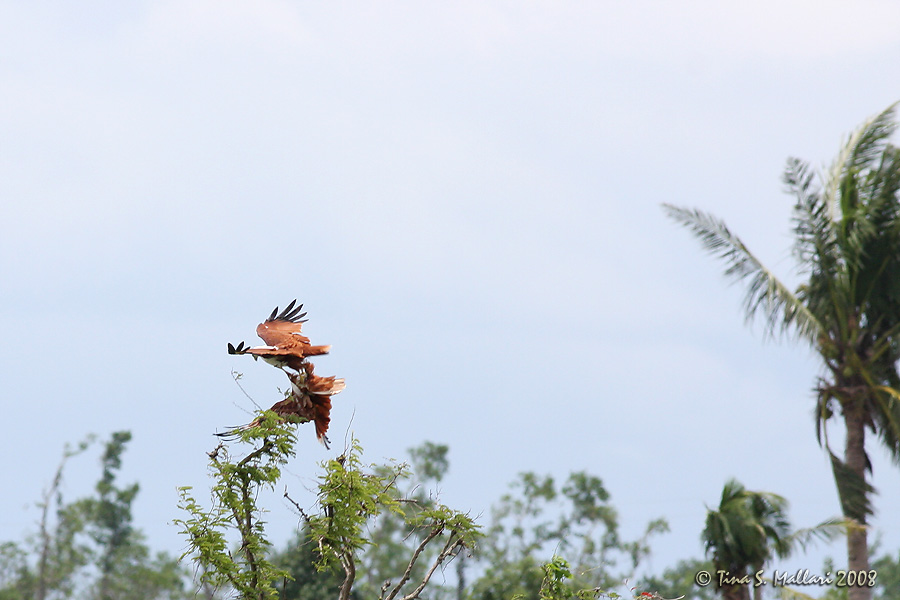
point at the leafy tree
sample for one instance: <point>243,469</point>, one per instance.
<point>350,495</point>
<point>306,582</point>
<point>743,534</point>
<point>538,520</point>
<point>390,534</point>
<point>888,581</point>
<point>91,550</point>
<point>392,539</point>
<point>247,569</point>
<point>555,585</point>
<point>847,243</point>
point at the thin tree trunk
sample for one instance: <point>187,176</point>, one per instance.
<point>41,591</point>
<point>757,589</point>
<point>460,575</point>
<point>855,459</point>
<point>46,542</point>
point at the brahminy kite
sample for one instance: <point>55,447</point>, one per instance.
<point>288,349</point>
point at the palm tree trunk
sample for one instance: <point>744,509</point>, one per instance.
<point>735,592</point>
<point>855,459</point>
<point>757,589</point>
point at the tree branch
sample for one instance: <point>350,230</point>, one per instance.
<point>349,575</point>
<point>449,547</point>
<point>435,531</point>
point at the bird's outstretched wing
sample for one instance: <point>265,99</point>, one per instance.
<point>281,333</point>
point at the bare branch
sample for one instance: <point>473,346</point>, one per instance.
<point>449,547</point>
<point>297,506</point>
<point>435,531</point>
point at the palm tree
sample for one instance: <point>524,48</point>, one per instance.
<point>847,243</point>
<point>744,533</point>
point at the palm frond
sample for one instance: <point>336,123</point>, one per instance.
<point>787,593</point>
<point>854,491</point>
<point>815,239</point>
<point>781,309</point>
<point>877,243</point>
<point>857,154</point>
<point>887,416</point>
<point>826,531</point>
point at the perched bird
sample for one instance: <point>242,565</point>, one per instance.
<point>288,349</point>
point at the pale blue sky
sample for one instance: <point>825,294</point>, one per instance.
<point>466,197</point>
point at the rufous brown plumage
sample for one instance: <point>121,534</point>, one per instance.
<point>288,349</point>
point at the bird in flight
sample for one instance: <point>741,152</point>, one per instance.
<point>288,349</point>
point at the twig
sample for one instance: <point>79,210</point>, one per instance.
<point>297,506</point>
<point>237,376</point>
<point>347,430</point>
<point>398,472</point>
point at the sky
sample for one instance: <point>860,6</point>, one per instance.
<point>465,196</point>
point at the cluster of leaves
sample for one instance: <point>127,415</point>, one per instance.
<point>556,586</point>
<point>247,570</point>
<point>89,548</point>
<point>351,496</point>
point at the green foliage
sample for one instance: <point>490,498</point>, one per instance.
<point>555,585</point>
<point>887,583</point>
<point>747,529</point>
<point>306,582</point>
<point>396,533</point>
<point>679,581</point>
<point>246,570</point>
<point>91,550</point>
<point>539,519</point>
<point>888,569</point>
<point>351,496</point>
<point>108,518</point>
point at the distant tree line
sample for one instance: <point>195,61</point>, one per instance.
<point>543,540</point>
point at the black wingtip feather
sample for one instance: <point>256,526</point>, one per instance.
<point>290,313</point>
<point>239,349</point>
<point>294,314</point>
